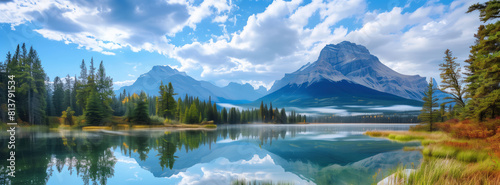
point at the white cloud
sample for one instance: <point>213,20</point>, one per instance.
<point>103,26</point>
<point>223,171</point>
<point>414,42</point>
<point>118,84</point>
<point>256,84</point>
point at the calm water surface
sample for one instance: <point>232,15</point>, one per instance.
<point>295,154</point>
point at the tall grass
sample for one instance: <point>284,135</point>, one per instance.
<point>449,171</point>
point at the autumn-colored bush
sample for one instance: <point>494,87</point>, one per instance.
<point>470,130</point>
<point>456,144</point>
<point>420,127</point>
<point>446,126</point>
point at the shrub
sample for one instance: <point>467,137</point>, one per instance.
<point>156,119</point>
<point>420,127</point>
<point>470,131</point>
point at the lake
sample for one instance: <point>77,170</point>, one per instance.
<point>285,154</point>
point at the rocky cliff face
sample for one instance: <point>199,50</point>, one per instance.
<point>354,63</point>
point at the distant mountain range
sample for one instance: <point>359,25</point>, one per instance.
<point>344,74</point>
<point>184,84</point>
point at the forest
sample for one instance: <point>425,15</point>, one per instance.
<point>88,99</point>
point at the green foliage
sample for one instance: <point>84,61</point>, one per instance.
<point>484,65</point>
<point>166,104</point>
<point>192,115</point>
<point>67,116</point>
<point>444,152</point>
<point>452,82</point>
<point>428,115</point>
<point>141,115</point>
<point>472,156</point>
<point>427,142</point>
<point>93,112</point>
<point>157,119</point>
<point>30,96</point>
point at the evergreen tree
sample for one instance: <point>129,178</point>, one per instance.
<point>194,115</point>
<point>104,87</point>
<point>283,116</point>
<point>261,112</point>
<point>141,114</point>
<point>73,98</point>
<point>93,112</point>
<point>451,79</point>
<point>58,96</point>
<point>67,92</point>
<point>50,107</point>
<point>484,64</point>
<point>428,115</point>
<point>224,115</point>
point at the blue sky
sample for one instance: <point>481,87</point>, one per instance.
<point>254,42</point>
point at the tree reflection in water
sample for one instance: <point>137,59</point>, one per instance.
<point>91,155</point>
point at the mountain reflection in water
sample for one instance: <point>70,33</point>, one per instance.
<point>298,154</point>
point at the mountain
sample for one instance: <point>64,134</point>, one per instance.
<point>184,84</point>
<point>354,63</point>
<point>346,74</point>
<point>325,92</point>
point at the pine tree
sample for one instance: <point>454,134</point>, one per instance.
<point>104,87</point>
<point>193,115</point>
<point>67,92</point>
<point>141,114</point>
<point>93,112</point>
<point>58,96</point>
<point>283,116</point>
<point>50,106</point>
<point>451,79</point>
<point>428,115</point>
<point>484,64</point>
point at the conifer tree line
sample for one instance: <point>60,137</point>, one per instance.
<point>38,98</point>
<point>136,108</point>
<point>30,90</point>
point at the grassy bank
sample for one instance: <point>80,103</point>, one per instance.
<point>450,158</point>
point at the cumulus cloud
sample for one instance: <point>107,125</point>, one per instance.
<point>271,43</point>
<point>118,84</point>
<point>414,42</point>
<point>108,25</point>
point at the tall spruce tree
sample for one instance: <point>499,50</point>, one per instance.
<point>93,112</point>
<point>58,96</point>
<point>141,115</point>
<point>484,64</point>
<point>428,115</point>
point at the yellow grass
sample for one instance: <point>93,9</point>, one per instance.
<point>95,128</point>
